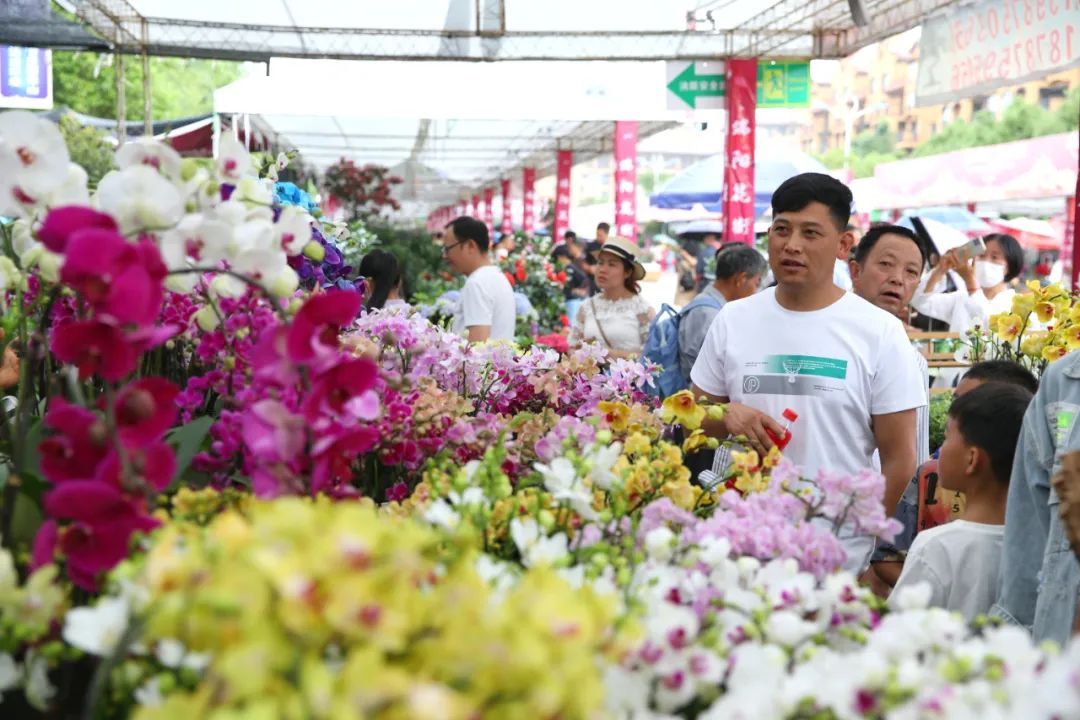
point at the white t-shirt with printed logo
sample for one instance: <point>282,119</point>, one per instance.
<point>487,299</point>
<point>836,367</point>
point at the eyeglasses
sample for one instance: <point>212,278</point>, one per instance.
<point>447,248</point>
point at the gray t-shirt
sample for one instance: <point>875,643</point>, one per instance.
<point>693,326</point>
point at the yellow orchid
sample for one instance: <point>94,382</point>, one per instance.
<point>1024,304</point>
<point>681,408</point>
<point>698,440</point>
<point>1054,352</point>
<point>1008,325</point>
<point>1071,336</point>
<point>615,414</point>
<point>1045,310</point>
<point>1033,343</point>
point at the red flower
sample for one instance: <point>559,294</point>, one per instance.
<point>144,410</point>
<point>564,320</point>
<point>333,389</point>
<point>98,531</point>
<point>118,278</point>
<point>63,222</point>
<point>151,466</point>
<point>509,278</point>
<point>520,270</point>
<point>314,330</point>
<point>560,276</point>
<point>96,348</point>
<point>76,449</point>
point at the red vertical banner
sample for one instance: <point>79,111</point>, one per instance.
<point>564,162</point>
<point>474,206</point>
<point>741,91</point>
<point>1070,263</point>
<point>626,179</point>
<point>507,221</point>
<point>528,180</point>
<point>489,215</point>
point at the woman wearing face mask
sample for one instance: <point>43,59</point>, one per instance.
<point>986,288</point>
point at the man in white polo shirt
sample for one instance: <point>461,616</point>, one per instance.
<point>844,365</point>
<point>486,310</point>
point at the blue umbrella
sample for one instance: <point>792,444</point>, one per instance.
<point>703,182</point>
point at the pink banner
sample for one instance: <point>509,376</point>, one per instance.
<point>564,162</point>
<point>739,161</point>
<point>489,215</point>
<point>626,179</point>
<point>474,206</point>
<point>1070,263</point>
<point>507,221</point>
<point>528,180</point>
<point>1043,167</point>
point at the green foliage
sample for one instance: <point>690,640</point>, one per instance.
<point>833,158</point>
<point>879,141</point>
<point>86,82</point>
<point>88,147</point>
<point>864,166</point>
<point>939,417</point>
<point>1019,121</point>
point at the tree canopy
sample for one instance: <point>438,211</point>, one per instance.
<point>86,83</point>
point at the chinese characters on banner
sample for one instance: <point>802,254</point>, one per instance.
<point>489,213</point>
<point>529,180</point>
<point>562,194</point>
<point>507,222</point>
<point>739,166</point>
<point>626,179</point>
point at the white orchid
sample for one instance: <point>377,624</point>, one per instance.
<point>660,543</point>
<point>234,161</point>
<point>441,514</point>
<point>140,198</point>
<point>535,547</point>
<point>39,691</point>
<point>97,629</point>
<point>72,191</point>
<point>34,161</point>
<point>601,458</point>
<point>292,231</point>
<point>148,151</point>
<point>562,481</point>
<point>197,241</point>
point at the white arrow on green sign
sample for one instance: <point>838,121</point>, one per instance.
<point>689,85</point>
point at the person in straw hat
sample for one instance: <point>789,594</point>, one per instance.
<point>617,317</point>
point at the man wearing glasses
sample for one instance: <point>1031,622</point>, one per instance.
<point>486,308</point>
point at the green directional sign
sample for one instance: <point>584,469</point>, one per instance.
<point>783,84</point>
<point>692,86</point>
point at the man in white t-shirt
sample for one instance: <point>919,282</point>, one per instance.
<point>844,365</point>
<point>486,309</point>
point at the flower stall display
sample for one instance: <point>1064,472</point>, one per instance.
<point>229,491</point>
<point>1043,326</point>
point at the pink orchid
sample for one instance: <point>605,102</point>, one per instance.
<point>314,330</point>
<point>144,410</point>
<point>341,384</point>
<point>118,278</point>
<point>272,433</point>
<point>63,222</point>
<point>78,446</point>
<point>152,465</point>
<point>96,348</point>
<point>100,522</point>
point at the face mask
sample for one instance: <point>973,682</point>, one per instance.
<point>988,274</point>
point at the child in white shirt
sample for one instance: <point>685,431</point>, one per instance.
<point>961,560</point>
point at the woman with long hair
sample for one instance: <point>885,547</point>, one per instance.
<point>382,271</point>
<point>617,317</point>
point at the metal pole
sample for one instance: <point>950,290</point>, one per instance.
<point>121,109</point>
<point>148,110</point>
